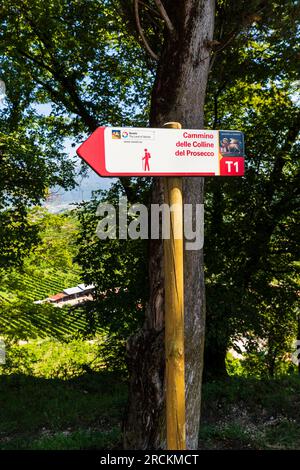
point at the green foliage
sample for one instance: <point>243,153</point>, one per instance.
<point>257,363</point>
<point>50,267</point>
<point>30,164</point>
<point>79,57</point>
<point>67,66</point>
<point>118,269</point>
<point>252,276</point>
<point>58,242</point>
<point>17,236</point>
<point>84,62</point>
<point>264,364</point>
<point>85,412</point>
<point>50,358</point>
<point>234,366</point>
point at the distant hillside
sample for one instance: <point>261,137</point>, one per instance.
<point>50,267</point>
<point>60,199</point>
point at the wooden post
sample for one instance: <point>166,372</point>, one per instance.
<point>174,313</point>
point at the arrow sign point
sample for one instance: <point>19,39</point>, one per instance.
<point>92,151</point>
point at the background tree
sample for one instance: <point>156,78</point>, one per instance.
<point>118,270</point>
<point>251,222</point>
<point>67,67</point>
<point>31,160</point>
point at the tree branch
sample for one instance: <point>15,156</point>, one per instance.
<point>148,7</point>
<point>141,33</point>
<point>231,37</point>
<point>33,59</point>
<point>165,16</point>
<point>68,84</point>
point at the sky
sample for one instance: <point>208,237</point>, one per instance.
<point>60,199</point>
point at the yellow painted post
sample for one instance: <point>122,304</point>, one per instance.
<point>174,313</point>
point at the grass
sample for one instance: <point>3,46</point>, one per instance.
<point>68,440</point>
<point>59,402</point>
<point>76,413</point>
<point>248,413</point>
<point>226,436</point>
<point>283,434</point>
<point>280,433</point>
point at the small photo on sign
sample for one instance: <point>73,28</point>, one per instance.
<point>231,143</point>
<point>115,134</point>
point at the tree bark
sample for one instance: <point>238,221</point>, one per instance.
<point>178,95</point>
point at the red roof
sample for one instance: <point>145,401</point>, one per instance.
<point>59,296</point>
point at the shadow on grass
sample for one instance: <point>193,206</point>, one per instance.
<point>249,413</point>
<point>83,412</point>
<point>86,413</point>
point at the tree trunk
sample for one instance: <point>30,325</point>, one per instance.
<point>178,95</point>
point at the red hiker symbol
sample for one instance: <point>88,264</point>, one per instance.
<point>146,159</point>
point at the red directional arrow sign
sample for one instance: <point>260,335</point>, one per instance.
<point>116,151</point>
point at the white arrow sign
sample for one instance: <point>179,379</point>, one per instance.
<point>116,151</point>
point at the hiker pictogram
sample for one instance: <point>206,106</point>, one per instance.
<point>145,159</point>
